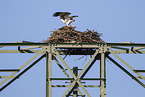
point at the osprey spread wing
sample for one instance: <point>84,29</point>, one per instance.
<point>64,16</point>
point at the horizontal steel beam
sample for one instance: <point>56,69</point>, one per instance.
<point>61,78</point>
<point>19,51</point>
<point>78,95</point>
<point>72,53</point>
<point>9,70</point>
<point>24,44</point>
<point>80,79</point>
<point>127,44</point>
<point>75,44</point>
<point>92,79</point>
<point>143,71</point>
<point>78,86</point>
<point>129,52</point>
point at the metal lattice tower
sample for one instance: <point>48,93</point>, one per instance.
<point>54,52</point>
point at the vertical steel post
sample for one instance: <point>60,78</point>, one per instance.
<point>75,91</point>
<point>47,81</point>
<point>102,75</point>
<point>48,73</point>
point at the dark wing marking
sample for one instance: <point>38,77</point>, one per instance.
<point>56,14</point>
<point>61,14</point>
<point>71,17</point>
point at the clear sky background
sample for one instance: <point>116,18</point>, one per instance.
<point>32,20</point>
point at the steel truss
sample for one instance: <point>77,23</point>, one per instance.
<point>53,52</point>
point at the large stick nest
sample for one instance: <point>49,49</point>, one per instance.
<point>70,35</point>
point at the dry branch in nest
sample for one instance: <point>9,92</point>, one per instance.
<point>70,35</point>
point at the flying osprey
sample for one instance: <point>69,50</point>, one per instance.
<point>64,16</point>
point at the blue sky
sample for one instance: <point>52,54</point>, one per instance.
<point>31,20</point>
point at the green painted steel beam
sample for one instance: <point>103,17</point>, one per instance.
<point>61,67</point>
<point>24,44</point>
<point>57,53</point>
<point>128,51</point>
<point>75,44</point>
<point>3,77</point>
<point>80,92</point>
<point>138,77</point>
<point>47,74</point>
<point>61,78</point>
<point>121,48</point>
<point>76,78</point>
<point>77,96</point>
<point>133,50</point>
<point>62,53</point>
<point>36,51</point>
<point>102,75</point>
<point>51,49</point>
<point>19,51</point>
<point>139,48</point>
<point>80,79</point>
<point>75,88</point>
<point>83,88</point>
<point>88,68</point>
<point>93,79</point>
<point>69,93</point>
<point>78,86</point>
<point>60,85</point>
<point>87,64</point>
<point>127,65</point>
<point>9,70</point>
<point>21,73</point>
<point>22,66</point>
<point>34,47</point>
<point>72,85</point>
<point>127,44</point>
<point>142,71</point>
<point>127,72</point>
<point>91,85</point>
<point>50,70</point>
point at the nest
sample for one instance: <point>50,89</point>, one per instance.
<point>70,35</point>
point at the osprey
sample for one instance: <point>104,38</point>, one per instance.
<point>64,16</point>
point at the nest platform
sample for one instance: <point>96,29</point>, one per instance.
<point>67,34</point>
